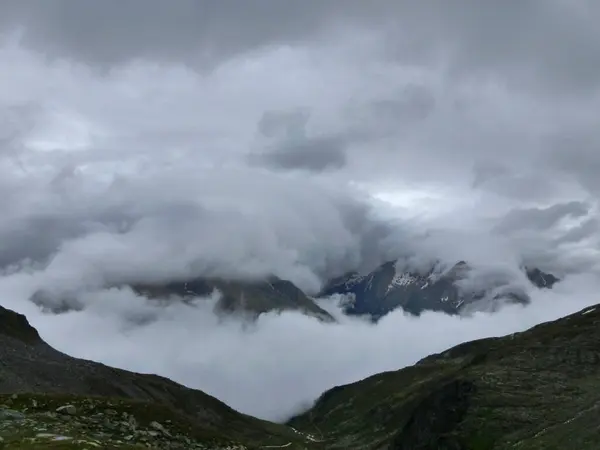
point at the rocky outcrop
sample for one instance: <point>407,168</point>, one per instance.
<point>35,421</point>
<point>15,326</point>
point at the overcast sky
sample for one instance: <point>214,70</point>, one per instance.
<point>147,140</point>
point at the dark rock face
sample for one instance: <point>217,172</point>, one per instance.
<point>387,288</point>
<point>541,279</point>
<point>16,326</point>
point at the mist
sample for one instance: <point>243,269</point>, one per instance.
<point>252,146</point>
<point>277,366</point>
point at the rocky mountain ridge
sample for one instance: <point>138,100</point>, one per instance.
<point>250,297</point>
<point>385,289</point>
<point>247,297</point>
<point>391,286</point>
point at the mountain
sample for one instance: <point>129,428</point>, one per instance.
<point>390,287</point>
<point>535,390</point>
<point>251,298</point>
<point>541,279</point>
<point>386,288</point>
<point>51,400</point>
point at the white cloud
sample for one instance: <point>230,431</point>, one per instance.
<point>283,362</point>
<point>121,164</point>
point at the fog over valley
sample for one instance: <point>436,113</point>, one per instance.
<point>182,187</point>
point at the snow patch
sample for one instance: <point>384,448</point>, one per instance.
<point>353,280</point>
<point>400,279</point>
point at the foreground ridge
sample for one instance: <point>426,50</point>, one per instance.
<point>51,400</point>
<point>539,389</point>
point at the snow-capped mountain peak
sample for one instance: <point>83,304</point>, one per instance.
<point>393,285</point>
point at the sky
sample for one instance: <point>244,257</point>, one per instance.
<point>140,142</point>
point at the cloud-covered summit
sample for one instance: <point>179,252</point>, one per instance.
<point>140,142</point>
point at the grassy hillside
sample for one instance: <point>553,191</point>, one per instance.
<point>539,389</point>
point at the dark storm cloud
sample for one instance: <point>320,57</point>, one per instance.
<point>577,153</point>
<point>537,40</point>
<point>520,183</point>
<point>291,148</point>
<point>390,114</point>
<point>314,154</point>
<point>382,108</point>
<point>244,139</point>
<point>532,40</point>
<point>561,238</point>
<point>116,31</point>
<point>436,86</point>
<point>588,228</point>
<point>542,218</point>
<point>283,123</point>
<point>412,104</point>
<point>398,112</point>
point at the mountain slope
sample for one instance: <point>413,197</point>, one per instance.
<point>107,405</point>
<point>251,297</point>
<point>237,296</point>
<point>389,287</point>
<point>536,390</point>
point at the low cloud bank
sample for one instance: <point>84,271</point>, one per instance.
<point>283,362</point>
